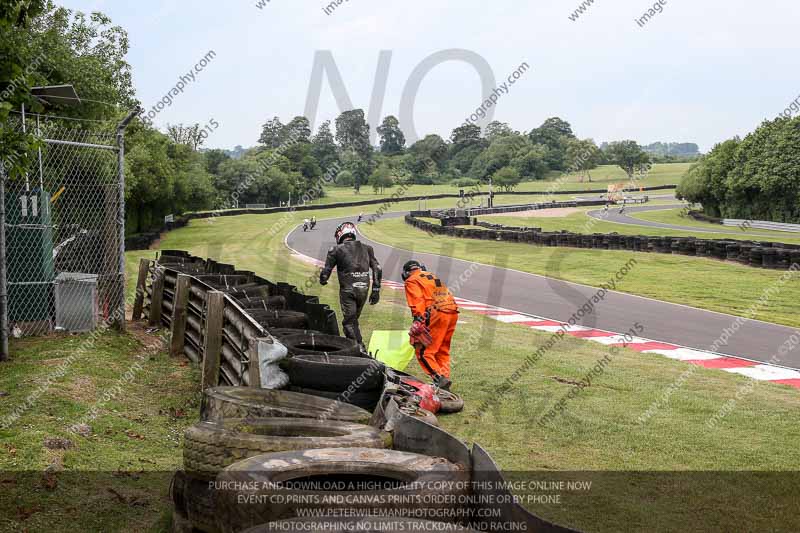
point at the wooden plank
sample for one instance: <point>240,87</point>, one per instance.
<point>179,315</point>
<point>253,370</point>
<point>212,348</point>
<point>157,298</point>
<point>141,285</point>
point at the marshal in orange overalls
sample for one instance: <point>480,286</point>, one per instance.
<point>431,300</point>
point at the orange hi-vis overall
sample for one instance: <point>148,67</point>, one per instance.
<point>431,300</point>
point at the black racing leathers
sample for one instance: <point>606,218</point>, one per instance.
<point>353,261</point>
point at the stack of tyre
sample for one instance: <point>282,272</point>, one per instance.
<point>331,367</point>
<point>263,460</point>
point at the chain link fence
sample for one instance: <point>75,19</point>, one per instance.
<point>64,231</point>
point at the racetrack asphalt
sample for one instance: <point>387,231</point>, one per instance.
<point>559,300</point>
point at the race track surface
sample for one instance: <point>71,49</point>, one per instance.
<point>559,300</point>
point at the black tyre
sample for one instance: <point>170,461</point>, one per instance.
<point>363,399</point>
<point>258,304</point>
<point>199,503</point>
<point>417,412</point>
<point>177,488</point>
<point>287,332</point>
<point>220,403</point>
<point>278,318</point>
<point>266,488</point>
<point>451,402</point>
<point>209,447</point>
<point>335,373</point>
<point>320,344</point>
<point>362,525</point>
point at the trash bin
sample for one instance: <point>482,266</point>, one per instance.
<point>76,302</point>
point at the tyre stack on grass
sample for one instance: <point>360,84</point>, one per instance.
<point>238,423</point>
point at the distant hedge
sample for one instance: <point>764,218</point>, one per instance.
<point>757,178</point>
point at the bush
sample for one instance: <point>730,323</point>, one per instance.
<point>464,183</point>
<point>345,179</point>
<point>507,178</point>
<point>757,178</point>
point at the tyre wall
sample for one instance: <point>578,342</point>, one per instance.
<point>156,299</point>
<point>759,254</point>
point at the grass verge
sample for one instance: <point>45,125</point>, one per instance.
<point>114,476</point>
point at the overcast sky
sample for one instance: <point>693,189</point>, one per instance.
<point>700,71</point>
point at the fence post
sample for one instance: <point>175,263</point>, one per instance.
<point>141,287</point>
<point>212,349</point>
<point>3,281</point>
<point>120,322</point>
<point>179,302</point>
<point>157,298</point>
<point>253,370</point>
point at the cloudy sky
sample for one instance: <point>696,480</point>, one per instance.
<point>699,71</point>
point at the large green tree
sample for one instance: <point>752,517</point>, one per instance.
<point>393,141</point>
<point>426,158</point>
<point>512,150</point>
<point>757,178</point>
<point>16,54</point>
<point>272,133</point>
<point>352,135</point>
<point>323,146</point>
<point>507,178</point>
<point>381,178</point>
<point>554,134</point>
<point>497,129</point>
<point>297,130</point>
<point>582,155</point>
<point>628,156</point>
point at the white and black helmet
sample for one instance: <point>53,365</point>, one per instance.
<point>346,230</point>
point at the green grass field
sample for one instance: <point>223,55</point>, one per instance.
<point>116,477</point>
<point>580,222</point>
<point>139,432</point>
<point>602,177</point>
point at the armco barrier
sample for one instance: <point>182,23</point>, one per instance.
<point>761,224</point>
<point>157,298</point>
<point>745,224</point>
<point>773,255</point>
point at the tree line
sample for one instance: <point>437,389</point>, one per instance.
<point>170,172</point>
<point>755,178</point>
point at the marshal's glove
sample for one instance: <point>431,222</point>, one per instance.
<point>375,297</point>
<point>419,334</point>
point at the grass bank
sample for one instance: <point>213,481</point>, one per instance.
<point>114,475</point>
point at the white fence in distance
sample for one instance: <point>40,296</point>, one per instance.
<point>761,224</point>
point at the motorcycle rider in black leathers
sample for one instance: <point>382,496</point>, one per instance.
<point>353,261</point>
